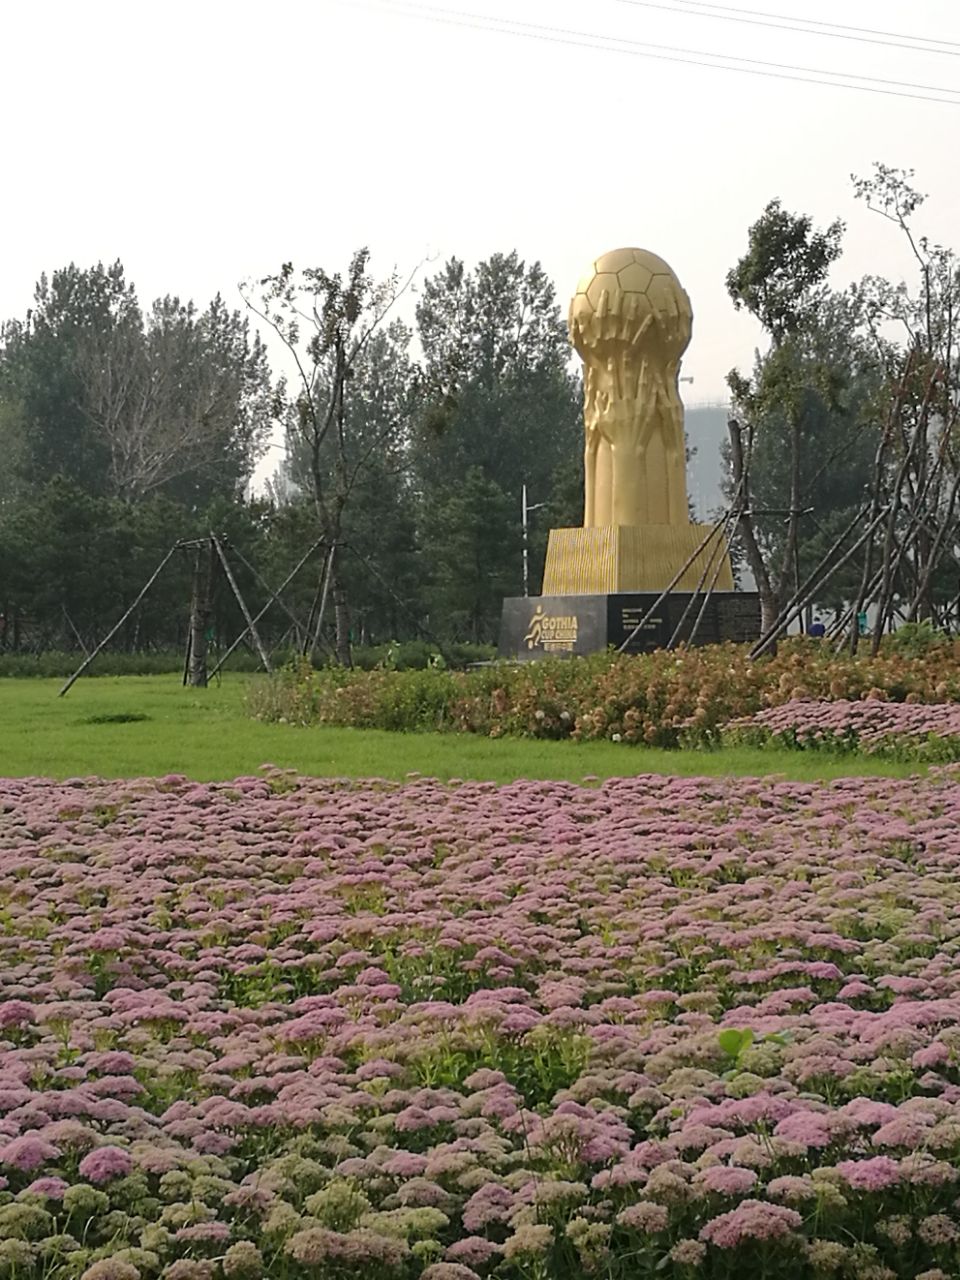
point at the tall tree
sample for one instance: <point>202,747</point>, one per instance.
<point>465,531</point>
<point>379,561</point>
<point>503,399</point>
<point>327,322</point>
<point>177,402</point>
<point>828,380</point>
<point>183,403</point>
<point>782,281</point>
<point>40,386</point>
<point>497,360</point>
<point>916,333</point>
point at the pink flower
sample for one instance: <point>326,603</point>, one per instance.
<point>472,1251</point>
<point>810,1128</point>
<point>726,1180</point>
<point>751,1220</point>
<point>875,1174</point>
<point>491,1203</point>
<point>28,1152</point>
<point>792,1188</point>
<point>105,1163</point>
<point>644,1216</point>
<point>51,1188</point>
<point>688,1253</point>
<point>938,1229</point>
<point>316,1246</point>
<point>15,1013</point>
<point>216,1232</point>
<point>111,1269</point>
<point>906,1131</point>
<point>934,1055</point>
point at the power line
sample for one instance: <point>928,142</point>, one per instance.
<point>809,26</point>
<point>665,53</point>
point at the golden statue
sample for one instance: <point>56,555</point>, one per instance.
<point>630,322</point>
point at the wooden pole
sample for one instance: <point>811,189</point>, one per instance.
<point>919,495</point>
<point>77,635</point>
<point>327,574</point>
<point>667,589</point>
<point>694,630</point>
<point>815,581</point>
<point>251,625</point>
<point>186,657</point>
<point>741,460</point>
<point>275,596</point>
<point>886,436</point>
<point>113,631</point>
<point>717,551</point>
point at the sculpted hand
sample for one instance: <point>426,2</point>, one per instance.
<point>628,424</point>
<point>647,453</point>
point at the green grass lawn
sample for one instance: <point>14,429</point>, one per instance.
<point>206,734</point>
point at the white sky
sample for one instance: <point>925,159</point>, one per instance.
<point>205,142</point>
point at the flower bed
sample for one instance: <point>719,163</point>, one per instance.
<point>664,699</point>
<point>315,1029</point>
<point>903,730</point>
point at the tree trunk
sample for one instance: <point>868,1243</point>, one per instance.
<point>791,550</point>
<point>200,613</point>
<point>769,604</point>
<point>912,447</point>
<point>341,613</point>
<point>876,500</point>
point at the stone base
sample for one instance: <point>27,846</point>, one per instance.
<point>543,626</point>
<point>620,558</point>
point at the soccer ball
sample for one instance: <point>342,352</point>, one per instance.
<point>624,295</point>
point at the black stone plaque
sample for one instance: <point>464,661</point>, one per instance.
<point>560,626</point>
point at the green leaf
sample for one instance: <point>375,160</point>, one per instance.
<point>734,1042</point>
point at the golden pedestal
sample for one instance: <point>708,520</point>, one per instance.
<point>612,559</point>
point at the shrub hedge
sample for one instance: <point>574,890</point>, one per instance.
<point>663,699</point>
<point>409,655</point>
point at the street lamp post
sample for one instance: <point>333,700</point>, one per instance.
<point>525,508</point>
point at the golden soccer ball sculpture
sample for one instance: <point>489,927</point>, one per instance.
<point>630,321</point>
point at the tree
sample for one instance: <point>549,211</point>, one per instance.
<point>379,563</point>
<point>469,556</point>
<point>502,399</point>
<point>177,403</point>
<point>917,341</point>
<point>782,277</point>
<point>182,402</point>
<point>39,382</point>
<point>327,323</point>
<point>797,390</point>
<point>834,390</point>
<point>497,364</point>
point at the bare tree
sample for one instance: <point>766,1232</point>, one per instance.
<point>917,335</point>
<point>185,395</point>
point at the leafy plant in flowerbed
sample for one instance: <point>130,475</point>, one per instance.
<point>665,699</point>
<point>297,1028</point>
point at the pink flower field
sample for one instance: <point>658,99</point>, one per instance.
<point>297,1028</point>
<point>871,727</point>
